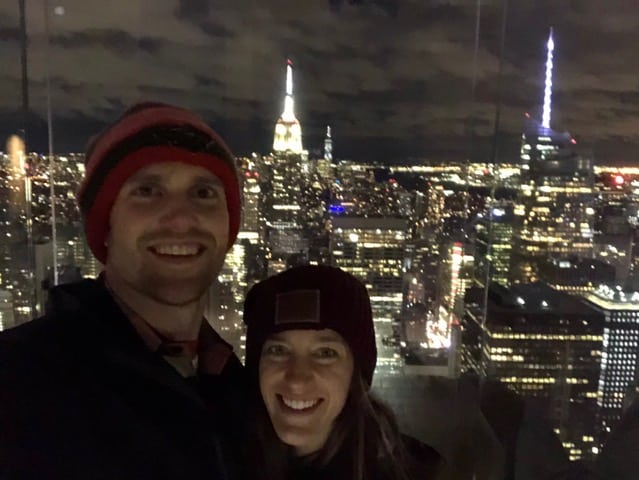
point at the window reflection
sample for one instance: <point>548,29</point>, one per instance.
<point>396,140</point>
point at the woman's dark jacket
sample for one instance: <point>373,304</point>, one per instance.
<point>421,462</point>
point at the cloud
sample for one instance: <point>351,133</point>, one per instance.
<point>203,15</point>
<point>404,78</point>
<point>115,40</point>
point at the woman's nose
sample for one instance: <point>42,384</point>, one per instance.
<point>298,371</point>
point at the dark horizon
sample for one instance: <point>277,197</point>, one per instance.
<point>71,136</point>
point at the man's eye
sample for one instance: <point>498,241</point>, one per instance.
<point>206,192</point>
<point>146,191</point>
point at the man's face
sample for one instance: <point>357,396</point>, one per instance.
<point>305,377</point>
<point>169,232</point>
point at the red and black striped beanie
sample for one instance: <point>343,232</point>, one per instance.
<point>312,297</point>
<point>146,134</point>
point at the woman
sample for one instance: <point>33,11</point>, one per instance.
<point>310,354</point>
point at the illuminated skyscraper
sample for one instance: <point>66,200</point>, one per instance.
<point>288,131</point>
<point>451,283</point>
<point>283,211</point>
<point>328,145</point>
<point>287,169</point>
<point>251,228</point>
<point>614,212</point>
<point>424,250</point>
<point>373,250</point>
<point>226,296</point>
<point>620,351</point>
<point>543,344</point>
<point>326,170</point>
<point>242,263</point>
<point>325,167</point>
<point>434,218</point>
<point>493,246</point>
<point>555,207</point>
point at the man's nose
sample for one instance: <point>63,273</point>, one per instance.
<point>179,214</point>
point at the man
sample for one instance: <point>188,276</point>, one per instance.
<point>122,378</point>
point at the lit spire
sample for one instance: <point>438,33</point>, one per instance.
<point>288,131</point>
<point>289,77</point>
<point>288,115</point>
<point>545,118</point>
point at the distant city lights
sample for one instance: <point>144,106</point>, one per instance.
<point>498,212</point>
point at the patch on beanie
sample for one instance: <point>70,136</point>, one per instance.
<point>298,306</point>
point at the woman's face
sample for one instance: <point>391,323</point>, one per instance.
<point>305,376</point>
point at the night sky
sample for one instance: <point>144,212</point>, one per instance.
<point>392,77</point>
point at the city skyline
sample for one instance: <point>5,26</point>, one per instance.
<point>509,259</point>
<point>403,92</point>
<point>418,255</point>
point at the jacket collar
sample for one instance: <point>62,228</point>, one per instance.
<point>91,318</point>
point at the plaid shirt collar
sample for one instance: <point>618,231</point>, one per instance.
<point>207,355</point>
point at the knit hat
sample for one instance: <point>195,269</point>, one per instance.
<point>146,134</point>
<point>311,297</point>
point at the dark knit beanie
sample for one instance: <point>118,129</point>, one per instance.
<point>312,297</point>
<point>144,135</point>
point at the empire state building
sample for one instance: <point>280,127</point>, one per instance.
<point>288,131</point>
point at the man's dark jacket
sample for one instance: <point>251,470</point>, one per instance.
<point>82,397</point>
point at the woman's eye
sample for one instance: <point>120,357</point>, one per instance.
<point>326,353</point>
<point>275,350</point>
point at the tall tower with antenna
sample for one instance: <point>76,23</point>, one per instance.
<point>285,209</point>
<point>554,214</point>
<point>288,130</point>
<point>557,191</point>
<point>328,145</point>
